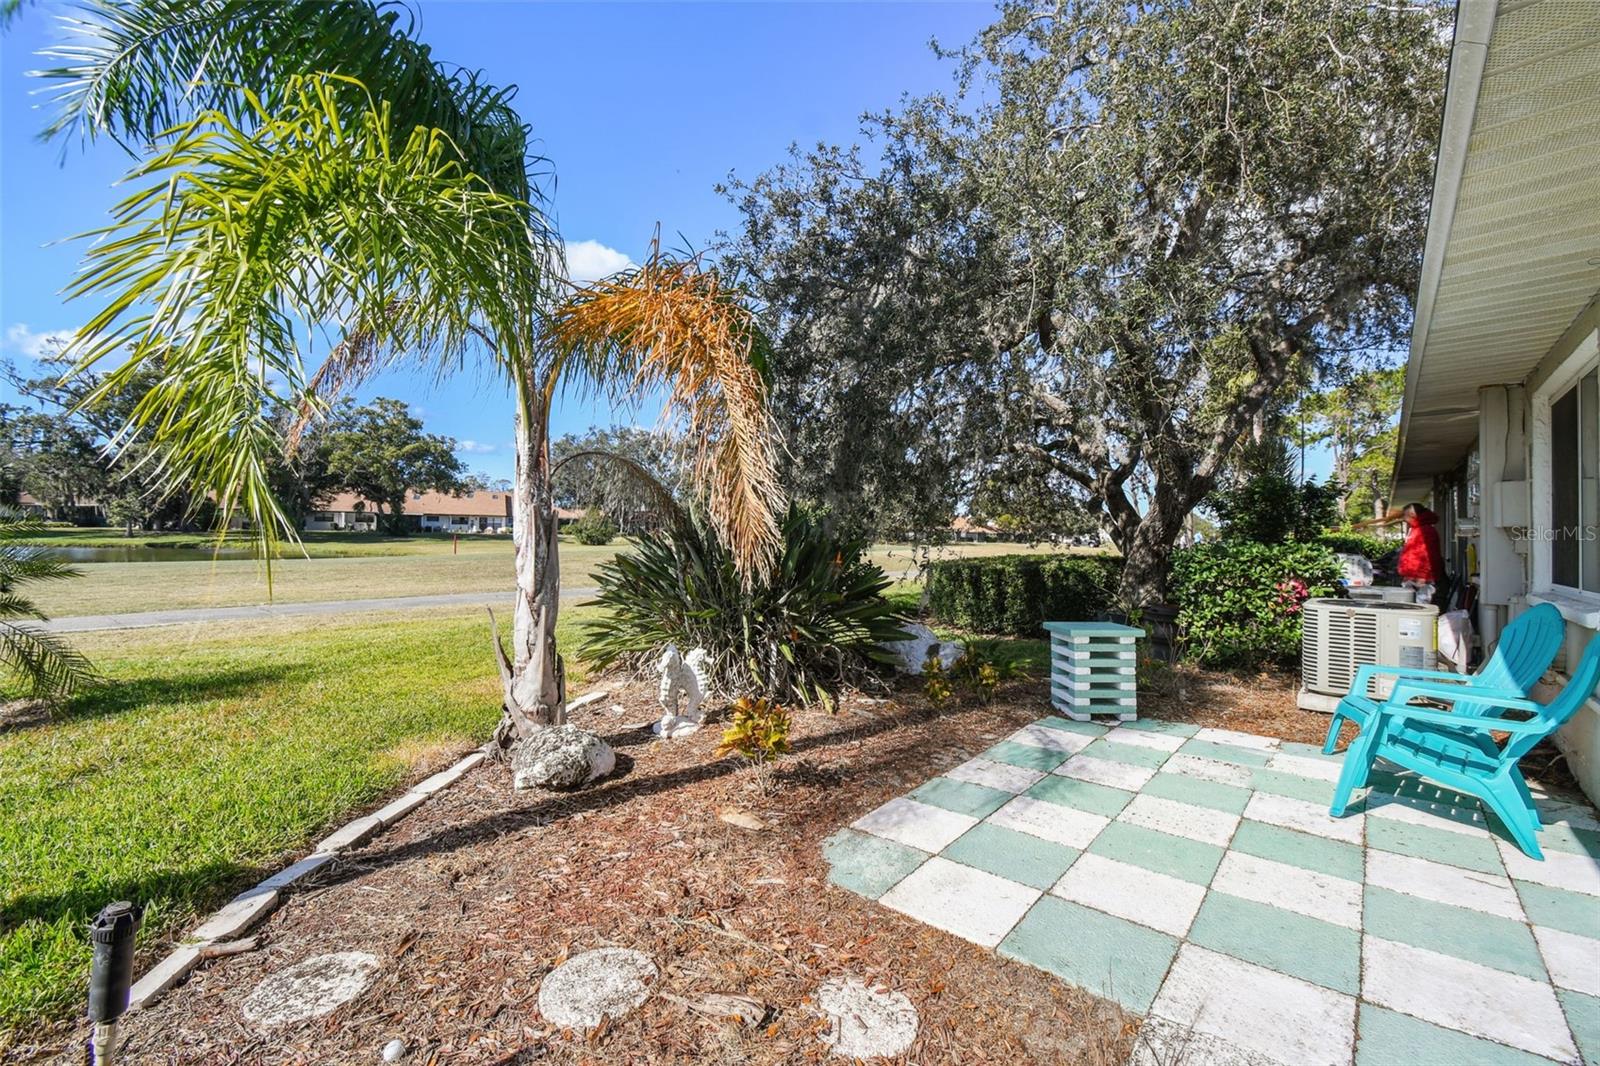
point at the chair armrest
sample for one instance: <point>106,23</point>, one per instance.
<point>1406,691</point>
<point>1480,725</point>
<point>1365,674</point>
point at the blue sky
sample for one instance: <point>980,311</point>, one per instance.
<point>641,109</point>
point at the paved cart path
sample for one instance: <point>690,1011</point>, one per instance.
<point>144,619</point>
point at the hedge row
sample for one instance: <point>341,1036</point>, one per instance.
<point>1352,543</point>
<point>1015,594</point>
<point>1239,602</point>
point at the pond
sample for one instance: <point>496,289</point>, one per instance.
<point>143,553</point>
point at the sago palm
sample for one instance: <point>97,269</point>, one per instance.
<point>386,216</point>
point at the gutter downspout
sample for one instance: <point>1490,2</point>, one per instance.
<point>1468,56</point>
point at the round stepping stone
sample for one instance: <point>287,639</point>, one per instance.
<point>311,988</point>
<point>866,1022</point>
<point>606,982</point>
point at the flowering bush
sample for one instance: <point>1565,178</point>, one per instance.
<point>1240,603</point>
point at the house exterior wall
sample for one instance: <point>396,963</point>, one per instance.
<point>1513,538</point>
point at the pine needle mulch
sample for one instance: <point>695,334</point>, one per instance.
<point>473,898</point>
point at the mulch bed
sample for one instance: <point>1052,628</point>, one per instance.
<point>472,899</point>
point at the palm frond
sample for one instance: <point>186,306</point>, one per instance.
<point>249,236</point>
<point>672,324</point>
<point>134,69</point>
<point>636,476</point>
<point>48,665</point>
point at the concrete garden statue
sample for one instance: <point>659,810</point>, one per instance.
<point>685,679</point>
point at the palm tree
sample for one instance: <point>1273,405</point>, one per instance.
<point>356,190</point>
<point>45,663</point>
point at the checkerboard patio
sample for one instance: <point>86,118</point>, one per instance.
<point>1195,877</point>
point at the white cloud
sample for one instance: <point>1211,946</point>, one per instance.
<point>474,447</point>
<point>19,338</point>
<point>590,261</point>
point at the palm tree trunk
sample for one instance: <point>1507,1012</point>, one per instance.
<point>534,677</point>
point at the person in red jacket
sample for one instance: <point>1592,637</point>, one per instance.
<point>1421,560</point>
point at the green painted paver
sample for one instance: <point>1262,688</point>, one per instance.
<point>1191,860</point>
<point>1556,908</point>
<point>1132,754</point>
<point>1312,950</point>
<point>1284,783</point>
<point>1016,856</point>
<point>963,797</point>
<point>1088,729</point>
<point>1207,749</point>
<point>1583,1017</point>
<point>1157,725</point>
<point>1332,857</point>
<point>1198,791</point>
<point>1081,795</point>
<point>1440,845</point>
<point>1457,931</point>
<point>867,865</point>
<point>1110,957</point>
<point>1025,755</point>
<point>1390,1039</point>
<point>1561,837</point>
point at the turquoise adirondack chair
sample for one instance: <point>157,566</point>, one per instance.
<point>1527,647</point>
<point>1457,751</point>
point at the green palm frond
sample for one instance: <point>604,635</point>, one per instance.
<point>246,237</point>
<point>133,69</point>
<point>45,663</point>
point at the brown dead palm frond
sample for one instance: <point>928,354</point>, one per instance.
<point>672,324</point>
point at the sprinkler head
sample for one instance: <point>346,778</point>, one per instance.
<point>111,974</point>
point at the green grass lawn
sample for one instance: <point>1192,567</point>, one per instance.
<point>114,588</point>
<point>318,545</point>
<point>212,756</point>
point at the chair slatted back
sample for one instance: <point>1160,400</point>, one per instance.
<point>1527,647</point>
<point>1584,678</point>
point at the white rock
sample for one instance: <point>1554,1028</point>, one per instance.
<point>910,655</point>
<point>560,756</point>
<point>586,699</point>
<point>866,1022</point>
<point>606,982</point>
<point>394,1051</point>
<point>310,989</point>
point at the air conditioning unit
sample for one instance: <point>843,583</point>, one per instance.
<point>1339,636</point>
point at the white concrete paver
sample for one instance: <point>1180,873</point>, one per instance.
<point>1290,888</point>
<point>1180,819</point>
<point>1126,776</point>
<point>1051,739</point>
<point>1573,960</point>
<point>973,905</point>
<point>1489,893</point>
<point>1466,996</point>
<point>1145,738</point>
<point>917,825</point>
<point>991,774</point>
<point>1223,773</point>
<point>1250,741</point>
<point>1132,892</point>
<point>1288,1020</point>
<point>1305,766</point>
<point>1560,869</point>
<point>1050,821</point>
<point>1305,816</point>
<point>1414,811</point>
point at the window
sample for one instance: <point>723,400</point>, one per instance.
<point>1574,488</point>
<point>322,516</point>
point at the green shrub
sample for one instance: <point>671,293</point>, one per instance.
<point>757,729</point>
<point>814,622</point>
<point>1016,594</point>
<point>1240,602</point>
<point>1352,543</point>
<point>593,529</point>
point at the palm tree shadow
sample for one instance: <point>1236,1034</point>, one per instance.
<point>108,699</point>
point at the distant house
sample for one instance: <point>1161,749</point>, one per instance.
<point>480,511</point>
<point>964,528</point>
